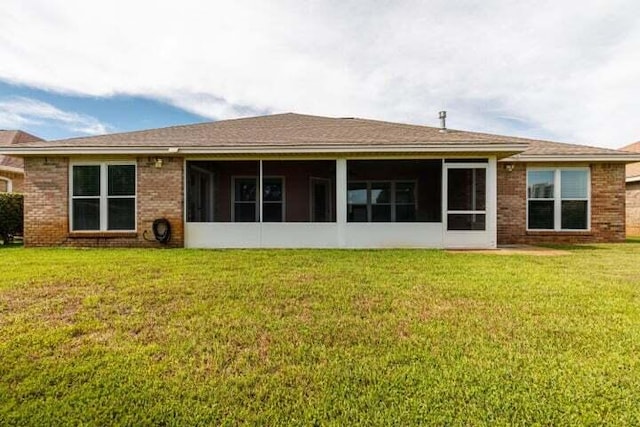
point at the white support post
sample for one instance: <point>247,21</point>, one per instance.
<point>260,190</point>
<point>341,200</point>
<point>492,201</point>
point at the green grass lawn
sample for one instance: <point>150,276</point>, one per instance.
<point>391,337</point>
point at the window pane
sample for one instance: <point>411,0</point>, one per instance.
<point>541,215</point>
<point>405,192</point>
<point>122,180</point>
<point>272,212</point>
<point>405,213</point>
<point>357,213</point>
<point>245,212</point>
<point>272,190</point>
<point>4,186</point>
<point>86,214</point>
<point>381,213</point>
<point>466,189</point>
<point>574,215</point>
<point>121,214</point>
<point>459,189</point>
<point>540,185</point>
<point>466,221</point>
<point>86,180</point>
<point>380,192</point>
<point>357,193</point>
<point>245,190</point>
<point>574,184</point>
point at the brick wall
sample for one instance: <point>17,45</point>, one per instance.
<point>46,219</point>
<point>633,208</point>
<point>17,180</point>
<point>160,194</point>
<point>607,207</point>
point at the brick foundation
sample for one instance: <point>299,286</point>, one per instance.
<point>160,194</point>
<point>607,207</point>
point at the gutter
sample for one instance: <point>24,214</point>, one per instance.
<point>269,149</point>
<point>614,158</point>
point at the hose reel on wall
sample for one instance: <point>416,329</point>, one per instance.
<point>161,230</point>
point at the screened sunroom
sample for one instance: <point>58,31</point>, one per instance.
<point>337,203</point>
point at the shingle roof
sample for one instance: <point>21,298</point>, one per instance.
<point>633,169</point>
<point>8,137</point>
<point>298,131</point>
<point>281,129</point>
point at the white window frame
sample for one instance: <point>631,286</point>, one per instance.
<point>557,197</point>
<point>392,199</point>
<point>9,183</point>
<point>104,195</point>
<point>259,199</point>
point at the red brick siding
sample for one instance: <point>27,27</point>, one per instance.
<point>46,218</point>
<point>633,208</point>
<point>160,194</point>
<point>512,207</point>
<point>607,207</point>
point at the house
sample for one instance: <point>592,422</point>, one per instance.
<point>633,193</point>
<point>12,168</point>
<point>291,180</point>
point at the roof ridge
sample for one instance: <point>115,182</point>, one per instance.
<point>210,122</point>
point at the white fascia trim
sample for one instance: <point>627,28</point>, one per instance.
<point>12,169</point>
<point>273,149</point>
<point>632,179</point>
<point>66,151</point>
<point>621,158</point>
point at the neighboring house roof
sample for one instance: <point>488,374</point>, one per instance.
<point>10,137</point>
<point>633,169</point>
<point>298,133</point>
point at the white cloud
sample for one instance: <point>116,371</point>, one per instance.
<point>17,112</point>
<point>566,70</point>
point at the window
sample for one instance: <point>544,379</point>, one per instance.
<point>103,197</point>
<point>558,199</point>
<point>5,185</point>
<point>381,201</point>
<point>245,203</point>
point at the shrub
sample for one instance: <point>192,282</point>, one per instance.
<point>11,215</point>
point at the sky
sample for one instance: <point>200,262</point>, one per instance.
<point>561,70</point>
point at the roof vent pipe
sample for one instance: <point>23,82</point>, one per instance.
<point>442,115</point>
